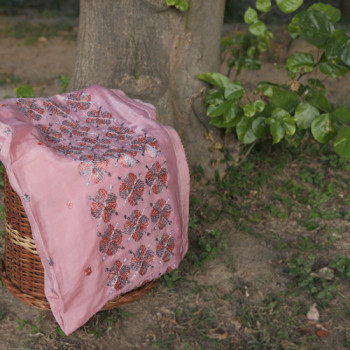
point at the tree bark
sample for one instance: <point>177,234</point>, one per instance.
<point>154,53</point>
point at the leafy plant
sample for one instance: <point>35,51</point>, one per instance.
<point>285,111</point>
<point>181,5</point>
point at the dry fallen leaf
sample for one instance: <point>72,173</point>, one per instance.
<point>218,334</point>
<point>313,314</point>
<point>321,333</point>
<point>325,272</point>
<point>287,345</point>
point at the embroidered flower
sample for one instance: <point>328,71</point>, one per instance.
<point>79,100</point>
<point>136,225</point>
<point>124,157</point>
<point>120,133</point>
<point>131,189</point>
<point>147,145</point>
<point>99,117</point>
<point>111,240</point>
<point>165,247</point>
<point>94,168</point>
<point>7,131</point>
<point>70,204</point>
<point>25,197</point>
<point>74,128</point>
<point>30,108</point>
<point>50,135</point>
<point>156,177</point>
<point>118,276</point>
<point>88,271</point>
<point>161,213</point>
<point>96,143</point>
<point>56,109</point>
<point>142,260</point>
<point>103,205</point>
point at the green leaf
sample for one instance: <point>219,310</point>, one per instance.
<point>342,142</point>
<point>216,79</point>
<point>319,100</point>
<point>301,61</point>
<point>331,12</point>
<point>258,28</point>
<point>232,115</point>
<point>322,128</point>
<point>287,100</point>
<point>345,54</point>
<point>281,123</point>
<point>333,70</point>
<point>263,5</point>
<point>333,50</point>
<point>342,115</point>
<point>317,84</point>
<point>264,88</point>
<point>313,26</point>
<point>250,16</point>
<point>249,110</point>
<point>259,105</point>
<point>244,131</point>
<point>220,122</point>
<point>234,90</point>
<point>214,97</point>
<point>288,6</point>
<point>305,114</point>
<point>181,5</point>
<point>217,110</point>
<point>24,91</point>
<point>259,126</point>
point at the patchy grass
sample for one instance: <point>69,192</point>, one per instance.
<point>33,33</point>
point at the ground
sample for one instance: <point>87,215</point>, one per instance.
<point>267,241</point>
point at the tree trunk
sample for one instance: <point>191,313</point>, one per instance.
<point>154,53</point>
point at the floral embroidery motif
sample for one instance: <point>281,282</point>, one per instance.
<point>98,117</point>
<point>165,247</point>
<point>156,177</point>
<point>161,213</point>
<point>142,260</point>
<point>70,204</point>
<point>79,100</point>
<point>120,133</point>
<point>30,108</point>
<point>123,156</point>
<point>147,145</point>
<point>103,205</point>
<point>111,240</point>
<point>7,131</point>
<point>118,276</point>
<point>50,135</point>
<point>136,225</point>
<point>131,189</point>
<point>56,109</point>
<point>25,197</point>
<point>88,271</point>
<point>94,144</point>
<point>94,168</point>
<point>73,128</point>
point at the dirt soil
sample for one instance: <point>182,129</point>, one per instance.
<point>208,309</point>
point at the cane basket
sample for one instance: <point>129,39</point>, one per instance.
<point>21,270</point>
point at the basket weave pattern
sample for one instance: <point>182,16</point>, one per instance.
<point>22,272</point>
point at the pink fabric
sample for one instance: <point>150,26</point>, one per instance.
<point>105,187</point>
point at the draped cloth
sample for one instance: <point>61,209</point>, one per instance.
<point>106,190</point>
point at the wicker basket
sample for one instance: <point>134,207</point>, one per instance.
<point>21,270</point>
